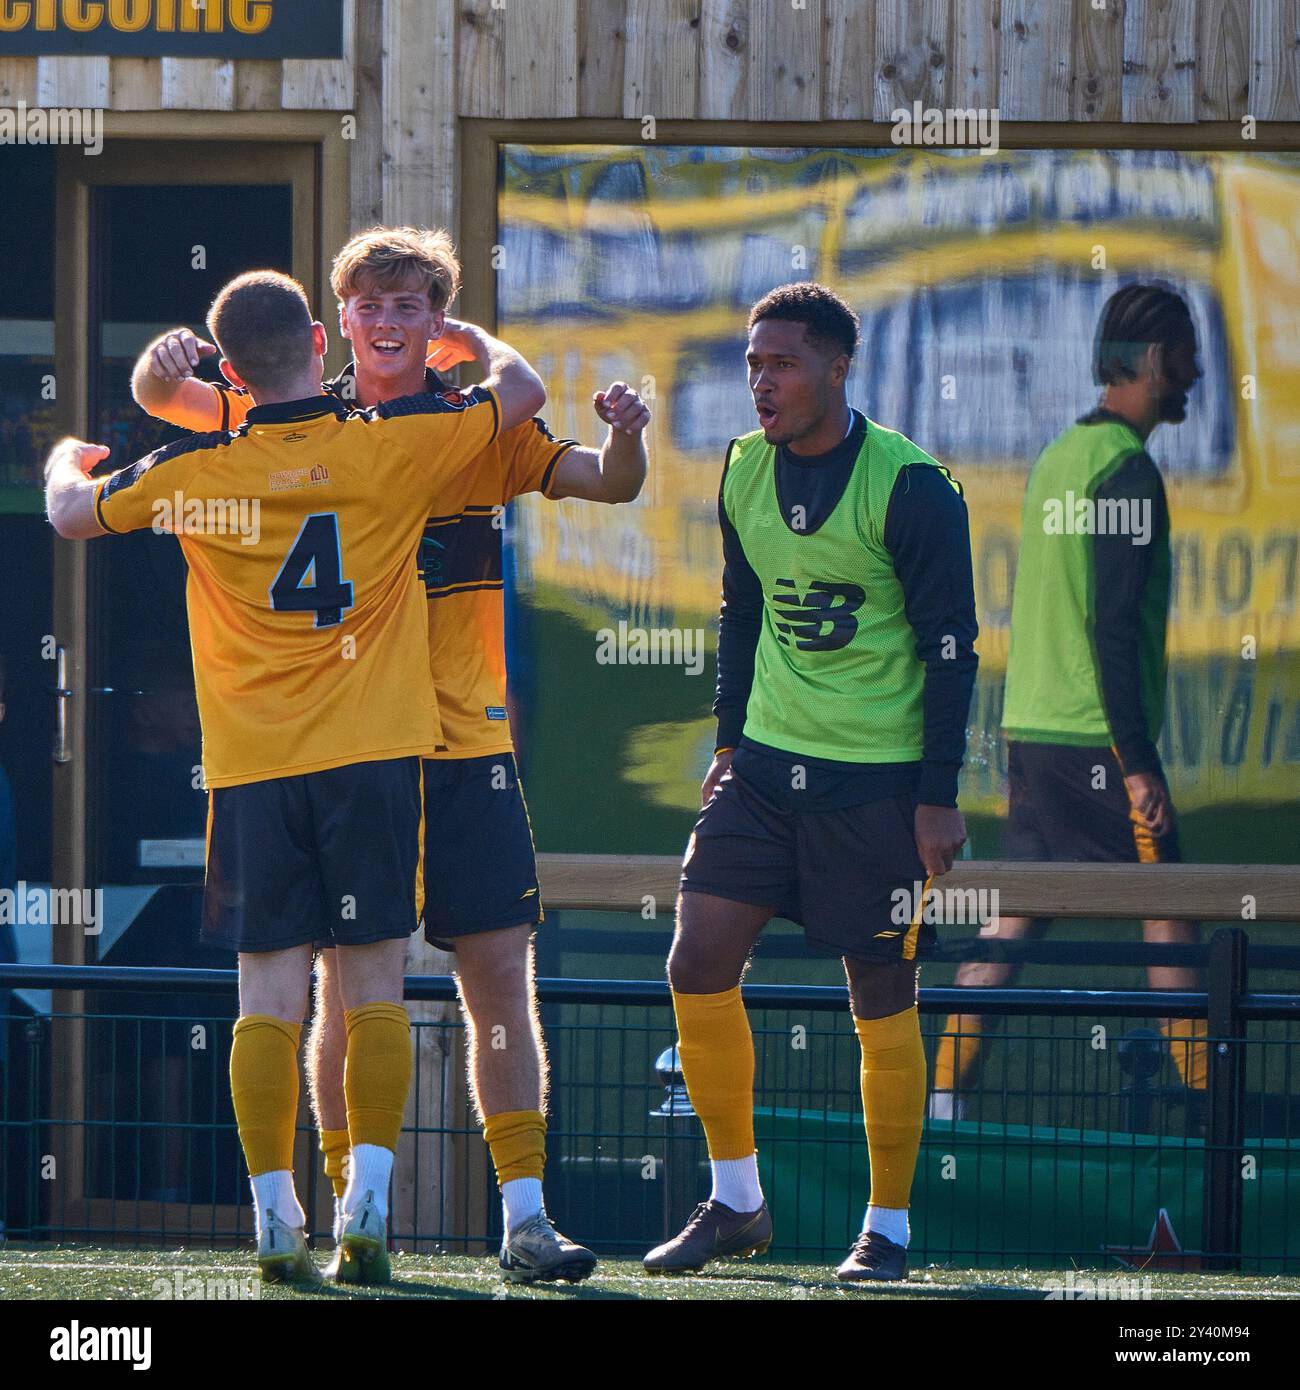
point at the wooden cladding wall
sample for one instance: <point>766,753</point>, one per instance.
<point>791,60</point>
<point>779,60</point>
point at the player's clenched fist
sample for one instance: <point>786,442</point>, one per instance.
<point>177,354</point>
<point>621,408</point>
<point>76,452</point>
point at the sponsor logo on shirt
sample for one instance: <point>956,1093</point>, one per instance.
<point>821,620</point>
<point>291,479</point>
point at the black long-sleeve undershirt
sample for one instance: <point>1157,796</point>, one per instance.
<point>1123,571</point>
<point>928,537</point>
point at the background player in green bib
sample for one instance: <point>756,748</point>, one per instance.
<point>1085,696</point>
<point>845,670</point>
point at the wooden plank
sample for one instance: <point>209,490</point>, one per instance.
<point>477,208</point>
<point>1222,60</point>
<point>725,67</point>
<point>1034,78</point>
<point>1065,135</point>
<point>314,84</point>
<point>424,1167</point>
<point>72,82</point>
<point>1159,60</point>
<point>602,44</point>
<point>974,56</point>
<point>1274,60</point>
<point>481,59</point>
<point>661,72</point>
<point>258,83</point>
<point>1205,892</point>
<point>785,61</point>
<point>850,49</point>
<point>911,55</point>
<point>419,106</point>
<point>366,173</point>
<point>18,81</point>
<point>541,58</point>
<point>198,84</point>
<point>135,84</point>
<point>1097,65</point>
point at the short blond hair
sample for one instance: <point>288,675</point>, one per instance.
<point>381,258</point>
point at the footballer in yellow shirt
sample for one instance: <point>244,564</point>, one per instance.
<point>393,285</point>
<point>301,531</point>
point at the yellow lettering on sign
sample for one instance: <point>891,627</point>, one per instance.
<point>250,16</point>
<point>45,14</point>
<point>14,14</point>
<point>128,16</point>
<point>165,16</point>
<point>81,16</point>
<point>191,13</point>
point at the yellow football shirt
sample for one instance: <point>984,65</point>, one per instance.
<point>461,564</point>
<point>308,626</point>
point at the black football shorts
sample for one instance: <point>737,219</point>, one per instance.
<point>326,858</point>
<point>1071,804</point>
<point>851,878</point>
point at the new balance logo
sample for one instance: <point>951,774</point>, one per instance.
<point>822,620</point>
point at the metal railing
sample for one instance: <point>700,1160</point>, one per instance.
<point>1079,1136</point>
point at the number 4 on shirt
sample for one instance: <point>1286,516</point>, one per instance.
<point>311,578</point>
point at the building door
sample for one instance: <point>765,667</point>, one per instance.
<point>147,233</point>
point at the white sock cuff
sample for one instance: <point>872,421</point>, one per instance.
<point>274,1191</point>
<point>890,1222</point>
<point>520,1199</point>
<point>735,1183</point>
<point>371,1171</point>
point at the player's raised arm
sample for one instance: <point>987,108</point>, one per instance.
<point>518,388</point>
<point>164,385</point>
<point>615,471</point>
<point>70,491</point>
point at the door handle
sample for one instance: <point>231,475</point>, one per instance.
<point>62,699</point>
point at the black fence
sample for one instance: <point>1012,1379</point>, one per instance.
<point>1080,1147</point>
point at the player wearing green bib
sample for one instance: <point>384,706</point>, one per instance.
<point>845,670</point>
<point>1085,694</point>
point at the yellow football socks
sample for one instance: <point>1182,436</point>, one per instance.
<point>716,1050</point>
<point>377,1073</point>
<point>335,1145</point>
<point>893,1102</point>
<point>517,1139</point>
<point>956,1056</point>
<point>264,1087</point>
<point>1190,1057</point>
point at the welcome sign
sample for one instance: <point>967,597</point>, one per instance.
<point>172,28</point>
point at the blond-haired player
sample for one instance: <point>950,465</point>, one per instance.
<point>393,286</point>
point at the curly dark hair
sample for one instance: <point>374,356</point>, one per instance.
<point>828,321</point>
